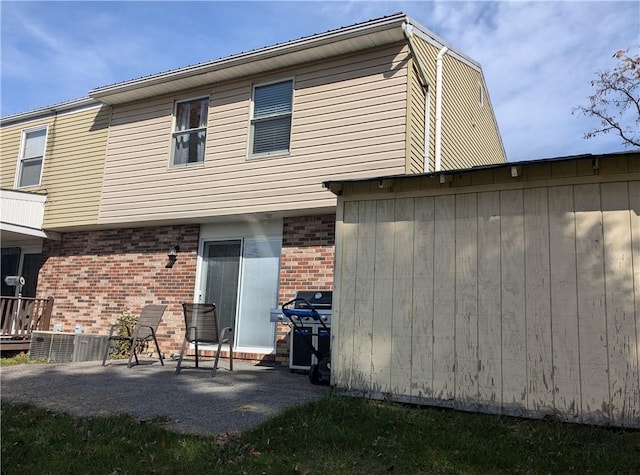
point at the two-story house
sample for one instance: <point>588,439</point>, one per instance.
<point>224,161</point>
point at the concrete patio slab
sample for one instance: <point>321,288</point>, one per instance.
<point>191,402</point>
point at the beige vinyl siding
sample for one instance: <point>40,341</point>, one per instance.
<point>470,133</point>
<point>519,297</point>
<point>349,120</point>
<point>428,54</point>
<point>416,97</point>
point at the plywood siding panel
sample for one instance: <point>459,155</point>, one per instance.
<point>523,301</point>
<point>634,212</point>
<point>466,318</point>
<point>489,301</point>
<point>444,300</point>
<point>402,288</point>
<point>383,299</point>
<point>594,378</point>
<point>620,303</point>
<point>514,338</point>
<point>540,384</point>
<point>363,298</point>
<point>349,119</point>
<point>422,335</point>
<point>345,334</point>
<point>566,358</point>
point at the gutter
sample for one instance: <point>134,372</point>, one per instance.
<point>47,111</point>
<point>439,87</point>
<point>407,29</point>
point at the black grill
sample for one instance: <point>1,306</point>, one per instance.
<point>319,299</point>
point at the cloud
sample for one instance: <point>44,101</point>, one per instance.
<point>538,58</point>
<point>45,60</point>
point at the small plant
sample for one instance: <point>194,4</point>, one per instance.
<point>126,322</point>
<point>15,359</point>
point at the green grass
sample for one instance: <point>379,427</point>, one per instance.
<point>15,359</point>
<point>334,435</point>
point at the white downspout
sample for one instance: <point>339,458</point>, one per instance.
<point>427,127</point>
<point>439,86</point>
<point>407,29</point>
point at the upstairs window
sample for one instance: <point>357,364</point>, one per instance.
<point>190,131</point>
<point>31,157</point>
<point>271,119</point>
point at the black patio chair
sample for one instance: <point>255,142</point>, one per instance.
<point>144,330</point>
<point>202,326</point>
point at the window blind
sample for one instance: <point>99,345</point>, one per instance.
<point>272,117</point>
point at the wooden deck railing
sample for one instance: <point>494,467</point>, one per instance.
<point>20,316</point>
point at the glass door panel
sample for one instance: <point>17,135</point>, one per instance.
<point>221,274</point>
<point>259,292</point>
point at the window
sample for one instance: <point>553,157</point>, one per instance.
<point>271,118</point>
<point>190,131</point>
<point>31,157</point>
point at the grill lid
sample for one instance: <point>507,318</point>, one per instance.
<point>319,299</point>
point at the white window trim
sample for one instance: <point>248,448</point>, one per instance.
<point>23,139</point>
<point>281,153</point>
<point>174,118</point>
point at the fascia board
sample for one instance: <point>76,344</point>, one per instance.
<point>72,106</point>
<point>385,30</point>
<point>435,40</point>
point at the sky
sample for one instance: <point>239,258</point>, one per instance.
<point>538,58</point>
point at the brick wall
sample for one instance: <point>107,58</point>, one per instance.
<point>306,263</point>
<point>94,275</point>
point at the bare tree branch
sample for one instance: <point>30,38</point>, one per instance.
<point>616,100</point>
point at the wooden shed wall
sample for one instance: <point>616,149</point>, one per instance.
<point>518,299</point>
